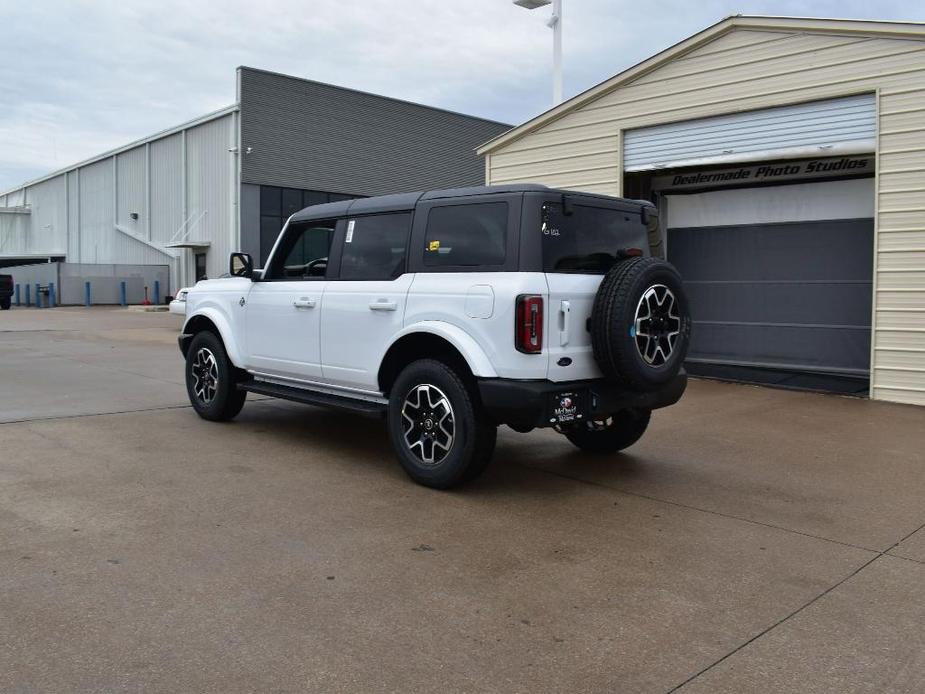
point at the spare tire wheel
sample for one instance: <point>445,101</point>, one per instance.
<point>640,323</point>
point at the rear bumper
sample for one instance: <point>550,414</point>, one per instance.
<point>528,404</point>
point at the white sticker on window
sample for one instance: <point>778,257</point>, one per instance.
<point>350,226</point>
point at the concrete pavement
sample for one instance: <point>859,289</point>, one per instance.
<point>754,540</point>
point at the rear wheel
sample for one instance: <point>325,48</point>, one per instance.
<point>610,435</point>
<point>437,427</point>
<point>210,379</point>
<point>5,304</point>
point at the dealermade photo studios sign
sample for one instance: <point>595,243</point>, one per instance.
<point>768,172</point>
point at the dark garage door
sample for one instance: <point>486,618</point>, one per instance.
<point>780,302</point>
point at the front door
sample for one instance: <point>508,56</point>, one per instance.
<point>365,306</point>
<point>283,317</point>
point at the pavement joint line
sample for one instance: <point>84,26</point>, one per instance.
<point>163,408</point>
<point>778,622</point>
<point>704,510</point>
<point>880,554</point>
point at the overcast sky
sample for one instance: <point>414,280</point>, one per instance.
<point>78,77</point>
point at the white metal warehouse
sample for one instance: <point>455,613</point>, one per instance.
<point>189,196</point>
<point>788,160</point>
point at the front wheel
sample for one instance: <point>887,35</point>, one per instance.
<point>5,303</point>
<point>210,379</point>
<point>437,427</point>
<point>610,435</point>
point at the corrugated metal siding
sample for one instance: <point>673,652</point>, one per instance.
<point>842,125</point>
<point>131,189</point>
<point>49,216</point>
<point>73,233</point>
<point>15,227</point>
<point>166,187</point>
<point>96,212</point>
<point>752,69</point>
<point>16,198</point>
<point>77,212</point>
<point>209,176</point>
<point>320,137</point>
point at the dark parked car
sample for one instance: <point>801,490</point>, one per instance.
<point>6,292</point>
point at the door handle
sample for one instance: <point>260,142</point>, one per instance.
<point>382,305</point>
<point>304,302</point>
<point>565,309</point>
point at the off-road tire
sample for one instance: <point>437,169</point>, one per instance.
<point>625,429</point>
<point>226,399</point>
<point>613,323</point>
<point>418,392</point>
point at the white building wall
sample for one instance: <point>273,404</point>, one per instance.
<point>166,214</point>
<point>132,180</point>
<point>210,176</point>
<point>182,184</point>
<point>96,213</point>
<point>73,220</point>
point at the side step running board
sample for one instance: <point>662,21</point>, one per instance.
<point>310,397</point>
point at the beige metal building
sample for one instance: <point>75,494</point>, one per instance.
<point>787,156</point>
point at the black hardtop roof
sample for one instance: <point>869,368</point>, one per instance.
<point>406,201</point>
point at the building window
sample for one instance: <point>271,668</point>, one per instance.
<point>278,204</point>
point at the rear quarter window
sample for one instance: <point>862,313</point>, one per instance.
<point>466,235</point>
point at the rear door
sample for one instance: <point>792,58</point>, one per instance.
<point>364,304</point>
<point>580,243</point>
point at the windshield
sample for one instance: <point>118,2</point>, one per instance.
<point>587,240</point>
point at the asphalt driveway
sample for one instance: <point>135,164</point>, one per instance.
<point>755,540</point>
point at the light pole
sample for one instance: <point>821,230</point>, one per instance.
<point>554,23</point>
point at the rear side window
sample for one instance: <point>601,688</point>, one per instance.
<point>587,240</point>
<point>466,235</point>
<point>374,247</point>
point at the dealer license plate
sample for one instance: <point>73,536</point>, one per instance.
<point>568,407</point>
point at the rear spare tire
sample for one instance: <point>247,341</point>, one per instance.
<point>640,323</point>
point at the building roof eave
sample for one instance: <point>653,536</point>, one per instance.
<point>907,30</point>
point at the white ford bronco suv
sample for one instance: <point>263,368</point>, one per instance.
<point>452,312</point>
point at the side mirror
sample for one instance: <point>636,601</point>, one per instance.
<point>241,265</point>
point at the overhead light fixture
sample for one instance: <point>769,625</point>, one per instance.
<point>532,4</point>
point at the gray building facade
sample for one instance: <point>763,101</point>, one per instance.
<point>188,196</point>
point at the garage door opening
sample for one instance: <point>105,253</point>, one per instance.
<point>779,274</point>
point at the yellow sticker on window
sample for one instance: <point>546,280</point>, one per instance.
<point>433,246</point>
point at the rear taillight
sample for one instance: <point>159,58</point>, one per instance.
<point>528,327</point>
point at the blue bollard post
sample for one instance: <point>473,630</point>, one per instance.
<point>86,293</point>
<point>157,292</point>
<point>38,295</point>
<point>28,297</point>
<point>122,294</point>
<point>17,296</point>
<point>52,299</point>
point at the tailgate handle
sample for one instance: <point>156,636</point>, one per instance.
<point>565,309</point>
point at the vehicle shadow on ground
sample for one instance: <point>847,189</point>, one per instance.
<point>521,462</point>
